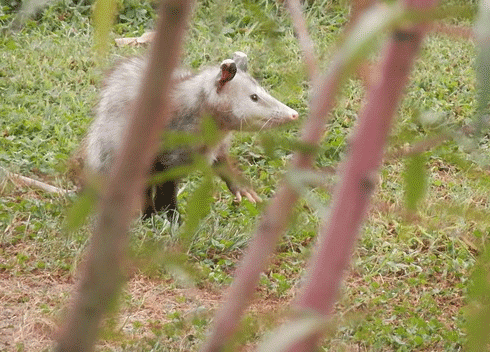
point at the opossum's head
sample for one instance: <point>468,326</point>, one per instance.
<point>244,104</point>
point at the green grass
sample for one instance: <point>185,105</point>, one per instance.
<point>410,273</point>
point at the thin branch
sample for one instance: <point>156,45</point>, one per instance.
<point>351,199</point>
<point>23,180</point>
<point>102,274</point>
<point>420,147</point>
<point>305,42</point>
<point>275,217</point>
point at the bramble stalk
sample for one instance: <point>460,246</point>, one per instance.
<point>351,199</point>
<point>274,220</point>
<point>305,42</point>
<point>102,273</point>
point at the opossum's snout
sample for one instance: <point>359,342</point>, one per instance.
<point>293,114</point>
<point>285,116</point>
<point>268,113</point>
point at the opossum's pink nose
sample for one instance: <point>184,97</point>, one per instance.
<point>294,114</point>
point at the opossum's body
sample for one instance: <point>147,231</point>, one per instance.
<point>229,95</point>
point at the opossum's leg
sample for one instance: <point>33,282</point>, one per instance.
<point>166,199</point>
<point>236,182</point>
<point>148,208</point>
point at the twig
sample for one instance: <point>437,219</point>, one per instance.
<point>275,217</point>
<point>305,42</point>
<point>419,147</point>
<point>145,38</point>
<point>23,180</point>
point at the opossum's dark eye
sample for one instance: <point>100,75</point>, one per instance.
<point>254,97</point>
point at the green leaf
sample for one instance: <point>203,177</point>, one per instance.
<point>179,139</point>
<point>210,131</point>
<point>198,206</point>
<point>482,30</point>
<point>151,258</point>
<point>104,14</point>
<point>415,178</point>
<point>478,309</point>
<point>269,145</point>
<point>292,332</point>
<point>28,9</point>
<point>174,173</point>
<point>366,32</point>
<point>301,180</point>
<point>80,209</point>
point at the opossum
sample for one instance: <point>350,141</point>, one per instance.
<point>227,93</point>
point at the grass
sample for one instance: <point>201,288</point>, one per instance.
<point>410,273</point>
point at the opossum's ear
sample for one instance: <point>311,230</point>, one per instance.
<point>228,71</point>
<point>241,60</point>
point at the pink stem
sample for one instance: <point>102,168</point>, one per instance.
<point>102,271</point>
<point>352,197</point>
<point>274,221</point>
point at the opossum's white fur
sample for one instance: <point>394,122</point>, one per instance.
<point>192,97</point>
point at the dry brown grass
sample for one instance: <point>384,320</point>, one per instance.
<point>28,306</point>
<point>31,306</point>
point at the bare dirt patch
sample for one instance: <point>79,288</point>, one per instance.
<point>28,304</point>
<point>31,306</point>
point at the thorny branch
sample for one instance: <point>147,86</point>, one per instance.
<point>102,274</point>
<point>348,201</point>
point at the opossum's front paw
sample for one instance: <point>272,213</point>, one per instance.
<point>248,193</point>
